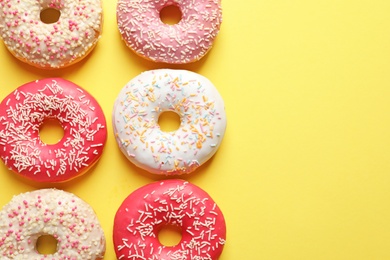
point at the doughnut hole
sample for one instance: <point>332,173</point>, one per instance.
<point>169,235</point>
<point>170,14</point>
<point>169,121</point>
<point>51,131</point>
<point>50,15</point>
<point>46,245</point>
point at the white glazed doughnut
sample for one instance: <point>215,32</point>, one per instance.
<point>139,105</point>
<point>172,202</point>
<point>143,31</point>
<point>54,45</point>
<point>70,220</point>
<point>22,113</point>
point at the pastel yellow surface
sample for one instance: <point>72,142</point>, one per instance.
<point>304,169</point>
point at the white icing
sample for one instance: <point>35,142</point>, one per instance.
<point>144,98</point>
<point>54,45</point>
<point>70,220</point>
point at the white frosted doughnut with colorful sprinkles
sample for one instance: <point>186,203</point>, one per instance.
<point>172,202</point>
<point>139,105</point>
<point>50,45</point>
<point>62,215</point>
<point>23,112</point>
<point>188,41</point>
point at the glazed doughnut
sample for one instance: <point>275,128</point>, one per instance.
<point>190,95</point>
<point>50,45</point>
<point>62,215</point>
<point>189,40</point>
<point>22,113</point>
<point>172,202</point>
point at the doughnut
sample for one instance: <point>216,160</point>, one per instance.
<point>62,215</point>
<point>50,45</point>
<point>171,202</point>
<point>190,95</point>
<point>142,30</point>
<point>23,112</point>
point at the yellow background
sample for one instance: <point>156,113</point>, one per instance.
<point>304,169</point>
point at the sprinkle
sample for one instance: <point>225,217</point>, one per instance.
<point>19,129</point>
<point>202,125</point>
<point>185,42</point>
<point>42,212</point>
<point>61,44</point>
<point>171,202</point>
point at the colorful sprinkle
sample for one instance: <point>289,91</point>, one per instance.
<point>50,212</point>
<point>54,45</point>
<point>135,120</point>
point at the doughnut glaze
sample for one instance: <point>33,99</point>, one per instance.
<point>50,45</point>
<point>172,202</point>
<point>188,41</point>
<point>139,105</point>
<point>62,215</point>
<point>23,112</point>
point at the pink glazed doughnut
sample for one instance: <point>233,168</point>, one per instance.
<point>62,215</point>
<point>22,113</point>
<point>50,45</point>
<point>171,202</point>
<point>188,41</point>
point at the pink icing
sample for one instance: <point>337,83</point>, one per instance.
<point>188,41</point>
<point>24,110</point>
<point>171,202</point>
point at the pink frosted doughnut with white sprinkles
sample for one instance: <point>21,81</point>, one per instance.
<point>23,112</point>
<point>52,44</point>
<point>188,41</point>
<point>172,202</point>
<point>202,121</point>
<point>62,215</point>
